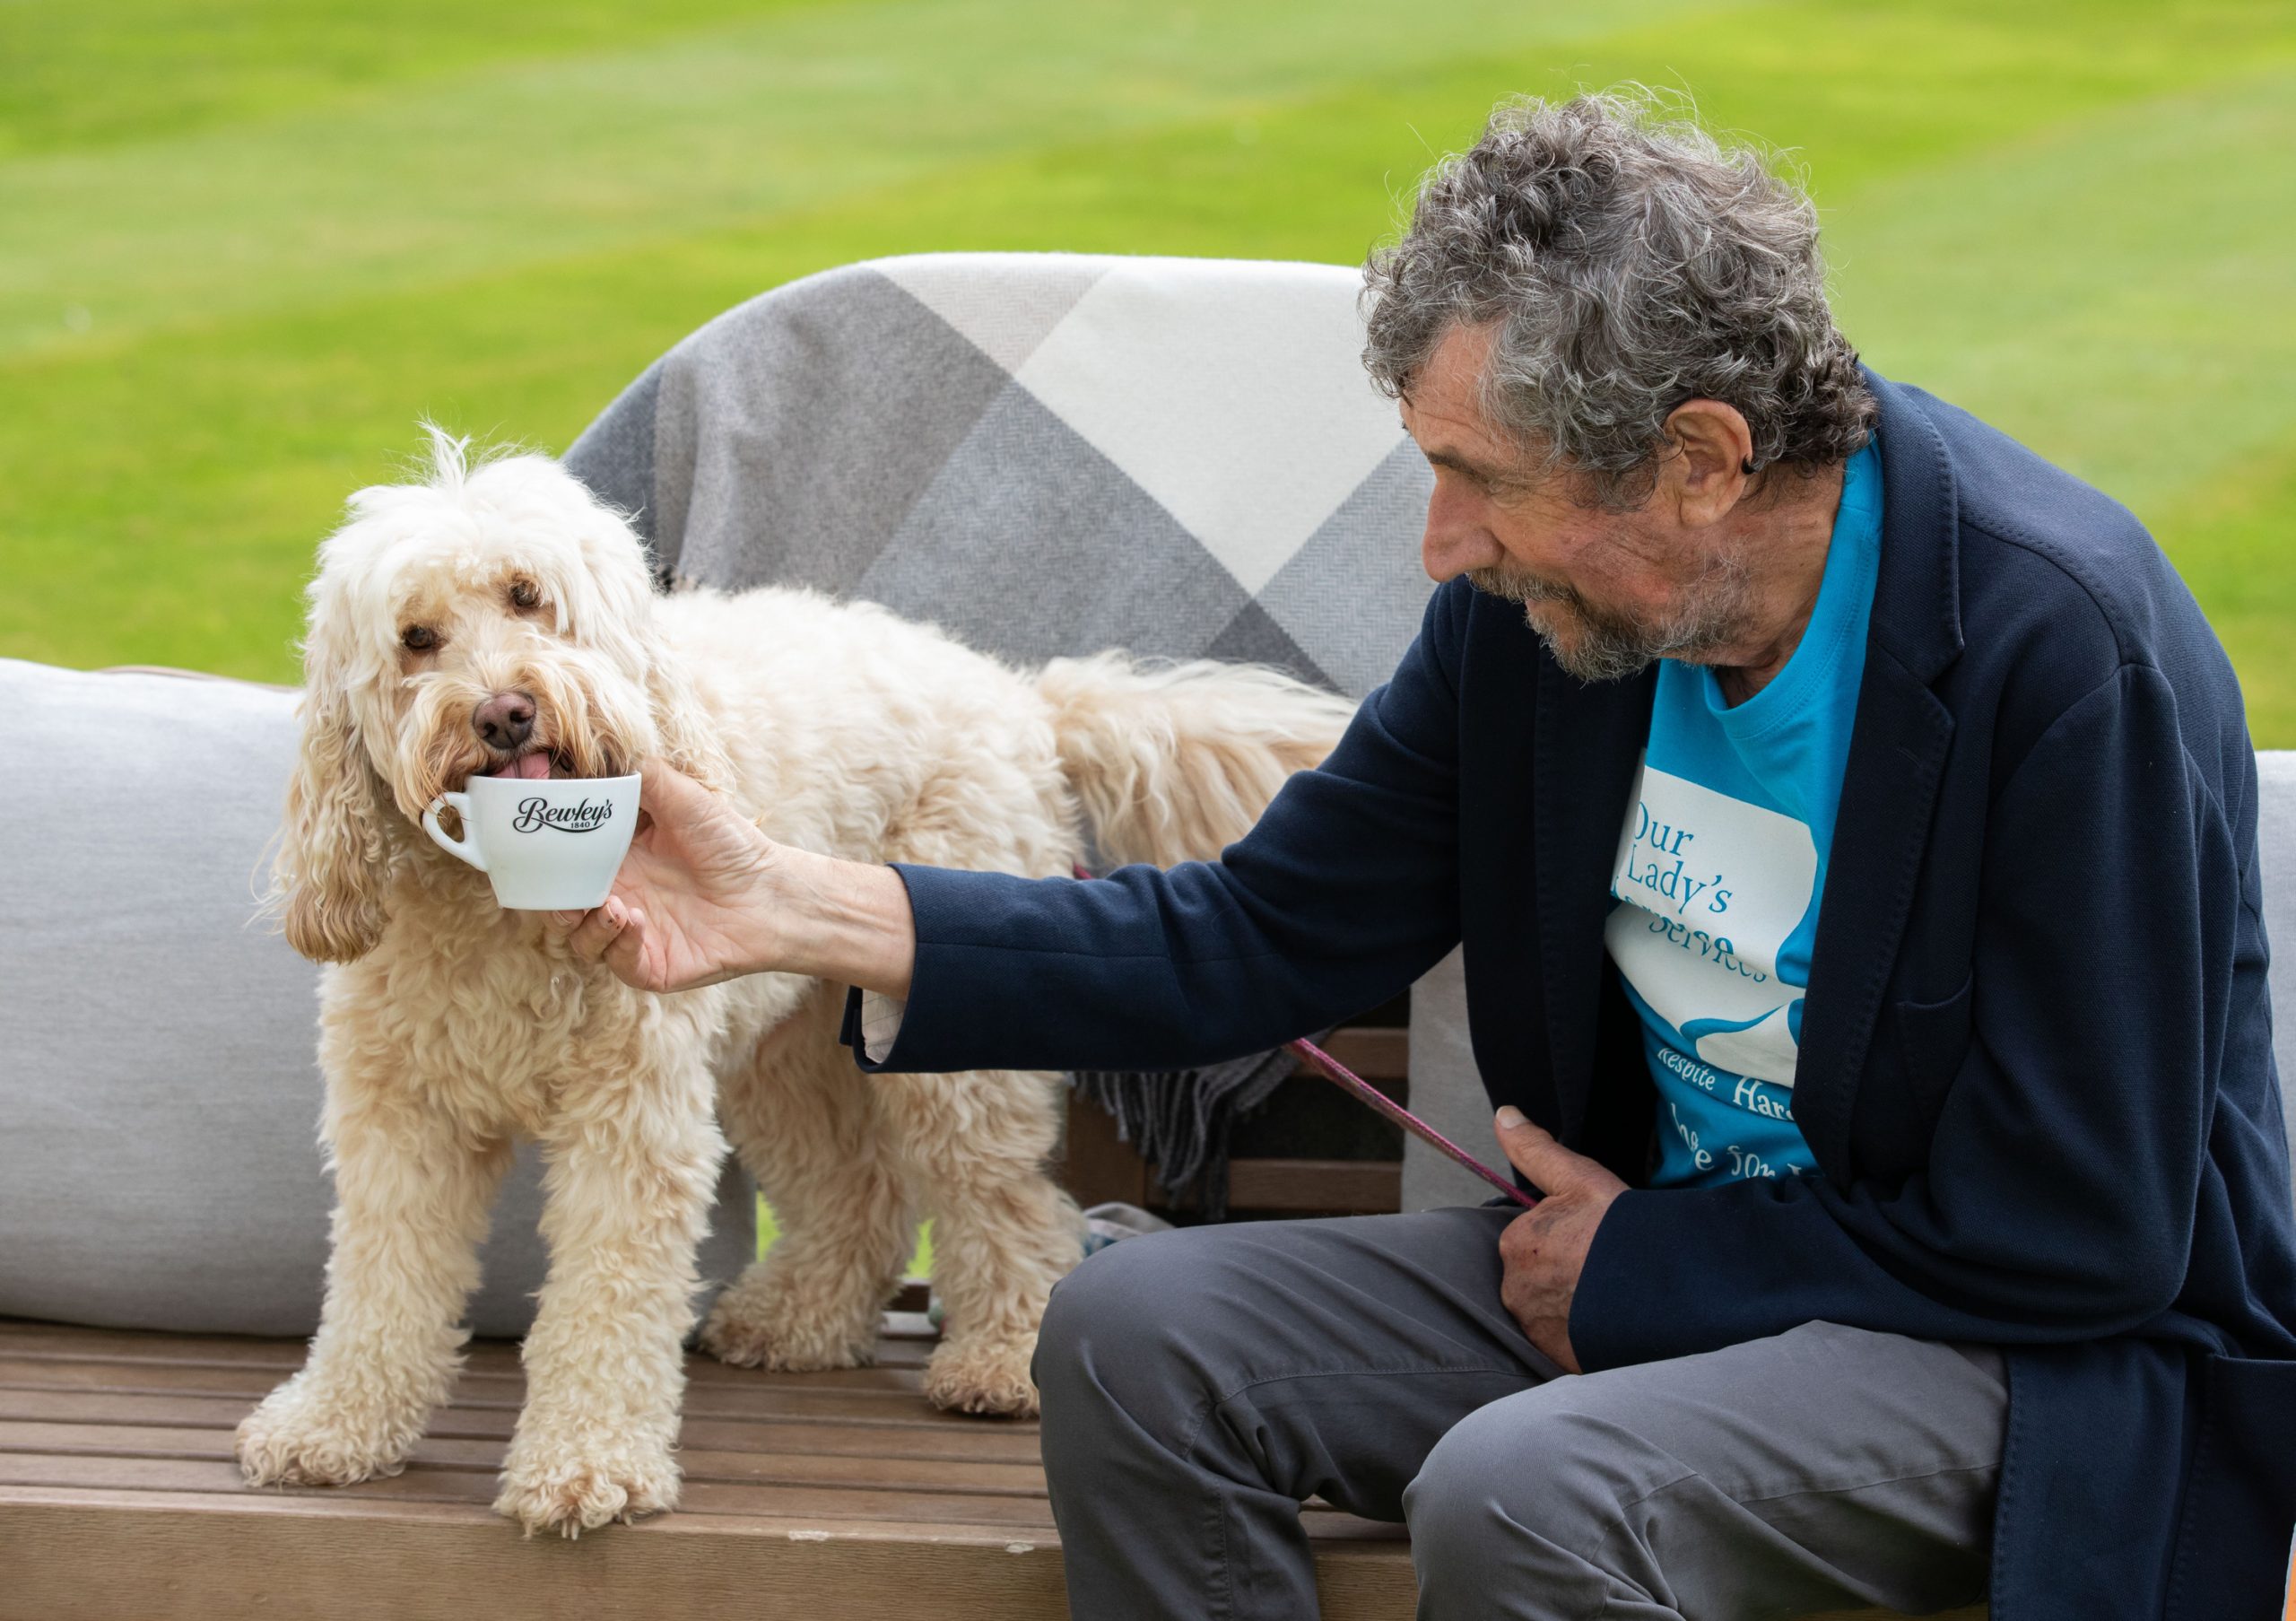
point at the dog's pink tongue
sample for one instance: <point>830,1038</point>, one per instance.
<point>534,767</point>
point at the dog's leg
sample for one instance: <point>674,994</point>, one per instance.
<point>411,1194</point>
<point>1003,1234</point>
<point>630,1169</point>
<point>807,1127</point>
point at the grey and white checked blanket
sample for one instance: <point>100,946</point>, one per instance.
<point>1048,454</point>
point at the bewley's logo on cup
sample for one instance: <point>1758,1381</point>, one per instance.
<point>582,818</point>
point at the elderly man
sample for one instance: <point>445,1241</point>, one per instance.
<point>1851,824</point>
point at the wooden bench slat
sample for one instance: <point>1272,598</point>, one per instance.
<point>893,1399</point>
<point>432,1483</point>
<point>1284,1184</point>
<point>20,1337</point>
<point>723,1465</point>
<point>476,1483</point>
<point>478,1378</point>
<point>1378,1053</point>
<point>116,1407</point>
<point>989,1441</point>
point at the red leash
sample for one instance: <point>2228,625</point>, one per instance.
<point>1363,1092</point>
<point>1340,1076</point>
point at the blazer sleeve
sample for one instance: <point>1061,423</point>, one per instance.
<point>1344,892</point>
<point>2058,1199</point>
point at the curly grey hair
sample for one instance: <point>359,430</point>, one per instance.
<point>1631,262</point>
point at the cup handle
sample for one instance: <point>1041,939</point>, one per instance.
<point>465,847</point>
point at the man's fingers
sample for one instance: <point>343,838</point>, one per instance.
<point>614,934</point>
<point>666,793</point>
<point>597,930</point>
<point>1533,1152</point>
<point>627,951</point>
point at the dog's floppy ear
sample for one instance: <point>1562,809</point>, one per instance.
<point>326,881</point>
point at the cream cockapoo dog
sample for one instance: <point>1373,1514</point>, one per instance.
<point>495,617</point>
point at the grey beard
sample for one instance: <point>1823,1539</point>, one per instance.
<point>1712,615</point>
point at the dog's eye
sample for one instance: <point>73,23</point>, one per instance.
<point>418,639</point>
<point>525,595</point>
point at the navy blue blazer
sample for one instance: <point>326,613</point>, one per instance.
<point>2036,1068</point>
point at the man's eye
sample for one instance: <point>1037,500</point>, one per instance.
<point>418,639</point>
<point>525,594</point>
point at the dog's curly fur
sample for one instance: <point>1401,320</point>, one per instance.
<point>449,1027</point>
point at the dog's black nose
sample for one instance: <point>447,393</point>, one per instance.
<point>504,721</point>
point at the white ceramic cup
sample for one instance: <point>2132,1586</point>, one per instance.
<point>545,845</point>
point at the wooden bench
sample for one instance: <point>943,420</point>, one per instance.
<point>841,1495</point>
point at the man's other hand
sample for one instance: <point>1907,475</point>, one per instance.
<point>1545,1248</point>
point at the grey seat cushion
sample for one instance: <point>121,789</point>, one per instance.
<point>159,1098</point>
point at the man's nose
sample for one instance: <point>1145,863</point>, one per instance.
<point>1456,541</point>
<point>504,721</point>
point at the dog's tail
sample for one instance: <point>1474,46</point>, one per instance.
<point>1174,762</point>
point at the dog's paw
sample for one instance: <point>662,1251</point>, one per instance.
<point>548,1488</point>
<point>298,1437</point>
<point>985,1376</point>
<point>755,1327</point>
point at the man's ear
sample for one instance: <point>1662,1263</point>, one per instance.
<point>1708,461</point>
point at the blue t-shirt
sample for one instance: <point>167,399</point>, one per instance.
<point>1721,866</point>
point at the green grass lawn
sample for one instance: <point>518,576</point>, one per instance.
<point>248,242</point>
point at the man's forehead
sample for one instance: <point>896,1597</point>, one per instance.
<point>1446,444</point>
<point>1442,409</point>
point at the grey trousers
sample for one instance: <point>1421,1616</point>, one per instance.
<point>1199,1385</point>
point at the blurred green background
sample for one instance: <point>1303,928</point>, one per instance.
<point>244,244</point>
